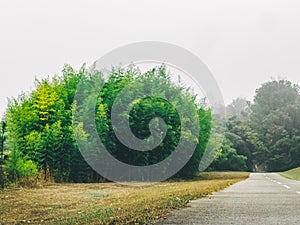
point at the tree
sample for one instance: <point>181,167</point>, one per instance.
<point>276,119</point>
<point>239,108</point>
<point>155,82</point>
<point>40,125</point>
<point>227,159</point>
<point>2,157</point>
<point>21,169</point>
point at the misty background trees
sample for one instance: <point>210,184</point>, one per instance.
<point>267,131</point>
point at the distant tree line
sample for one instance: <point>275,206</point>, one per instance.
<point>264,135</point>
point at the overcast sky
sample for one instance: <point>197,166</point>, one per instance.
<point>244,43</point>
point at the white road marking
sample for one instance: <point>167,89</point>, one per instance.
<point>298,192</point>
<point>286,186</point>
<point>279,183</point>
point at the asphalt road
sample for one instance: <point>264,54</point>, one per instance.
<point>262,199</point>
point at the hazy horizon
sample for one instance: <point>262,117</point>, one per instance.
<point>244,43</point>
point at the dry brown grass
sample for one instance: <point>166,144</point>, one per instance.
<point>106,203</point>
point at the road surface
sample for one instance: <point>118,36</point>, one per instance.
<point>264,198</point>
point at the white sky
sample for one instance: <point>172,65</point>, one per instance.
<point>244,43</point>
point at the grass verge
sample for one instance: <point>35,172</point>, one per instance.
<point>293,174</point>
<point>107,203</point>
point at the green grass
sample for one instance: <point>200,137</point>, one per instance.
<point>293,174</point>
<point>97,195</point>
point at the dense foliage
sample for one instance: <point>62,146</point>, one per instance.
<point>276,120</point>
<point>37,137</point>
<point>40,127</point>
<point>267,132</point>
